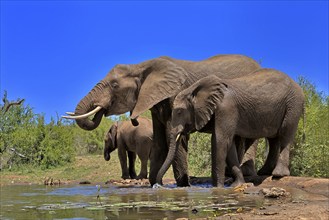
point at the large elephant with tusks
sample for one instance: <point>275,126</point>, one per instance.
<point>153,85</point>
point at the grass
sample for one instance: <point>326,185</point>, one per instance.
<point>92,168</point>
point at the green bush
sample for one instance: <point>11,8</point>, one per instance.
<point>310,151</point>
<point>199,154</point>
<point>90,142</point>
<point>25,138</point>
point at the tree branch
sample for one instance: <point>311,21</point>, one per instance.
<point>13,103</point>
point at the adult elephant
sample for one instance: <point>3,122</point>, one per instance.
<point>153,84</point>
<point>266,103</point>
<point>130,140</point>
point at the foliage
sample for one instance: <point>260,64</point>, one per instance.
<point>90,142</point>
<point>310,151</point>
<point>199,156</point>
<point>25,138</point>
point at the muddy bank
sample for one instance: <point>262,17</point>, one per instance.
<point>287,198</point>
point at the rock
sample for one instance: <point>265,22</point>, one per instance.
<point>274,192</point>
<point>243,187</point>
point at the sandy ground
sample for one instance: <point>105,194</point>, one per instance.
<point>306,198</point>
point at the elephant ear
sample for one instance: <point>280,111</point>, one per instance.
<point>161,79</point>
<point>206,94</point>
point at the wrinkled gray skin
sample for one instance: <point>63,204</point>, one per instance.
<point>130,140</point>
<point>153,85</point>
<point>266,104</point>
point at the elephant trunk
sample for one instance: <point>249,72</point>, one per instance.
<point>107,155</point>
<point>174,141</point>
<point>84,106</point>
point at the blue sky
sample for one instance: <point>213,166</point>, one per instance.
<point>54,52</point>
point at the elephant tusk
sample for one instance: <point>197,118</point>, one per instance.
<point>178,136</point>
<point>84,115</point>
<point>70,113</point>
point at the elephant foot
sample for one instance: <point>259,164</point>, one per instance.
<point>237,182</point>
<point>133,175</point>
<point>140,177</point>
<point>281,170</point>
<point>264,172</point>
<point>125,177</point>
<point>248,168</point>
<point>183,181</point>
<point>219,183</point>
<point>152,180</point>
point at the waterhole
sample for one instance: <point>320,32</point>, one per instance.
<point>114,202</point>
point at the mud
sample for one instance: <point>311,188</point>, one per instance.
<point>287,198</point>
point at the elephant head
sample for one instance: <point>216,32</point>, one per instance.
<point>129,88</point>
<point>192,110</point>
<point>110,141</point>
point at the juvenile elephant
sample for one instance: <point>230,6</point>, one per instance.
<point>130,140</point>
<point>153,85</point>
<point>266,104</point>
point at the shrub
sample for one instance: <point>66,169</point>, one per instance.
<point>25,138</point>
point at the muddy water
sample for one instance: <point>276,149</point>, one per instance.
<point>113,202</point>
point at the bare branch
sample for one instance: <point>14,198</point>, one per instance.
<point>13,103</point>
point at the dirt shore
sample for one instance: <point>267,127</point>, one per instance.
<point>307,198</point>
<point>298,197</point>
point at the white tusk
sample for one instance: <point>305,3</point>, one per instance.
<point>70,113</point>
<point>84,115</point>
<point>178,136</point>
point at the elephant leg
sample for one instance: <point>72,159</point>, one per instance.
<point>132,160</point>
<point>143,149</point>
<point>123,162</point>
<point>180,166</point>
<point>143,172</point>
<point>282,167</point>
<point>272,157</point>
<point>287,134</point>
<point>248,158</point>
<point>238,142</point>
<point>219,151</point>
<point>160,149</point>
<point>233,164</point>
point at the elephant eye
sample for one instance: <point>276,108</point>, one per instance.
<point>114,84</point>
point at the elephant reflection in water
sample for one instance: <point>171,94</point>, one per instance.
<point>131,140</point>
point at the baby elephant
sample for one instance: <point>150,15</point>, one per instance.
<point>132,140</point>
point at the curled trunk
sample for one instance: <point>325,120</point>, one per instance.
<point>84,106</point>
